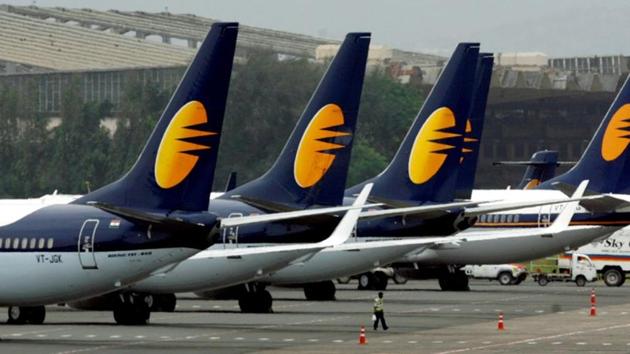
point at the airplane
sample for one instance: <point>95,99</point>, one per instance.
<point>343,260</point>
<point>603,163</point>
<point>122,232</point>
<point>286,199</point>
<point>316,157</point>
<point>540,168</point>
<point>154,216</point>
<point>610,211</point>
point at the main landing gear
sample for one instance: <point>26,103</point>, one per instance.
<point>320,291</point>
<point>453,279</point>
<point>373,281</point>
<point>26,315</point>
<point>133,309</point>
<point>255,299</point>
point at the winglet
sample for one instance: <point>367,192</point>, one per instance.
<point>343,231</point>
<point>565,216</point>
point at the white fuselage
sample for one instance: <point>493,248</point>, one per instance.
<point>33,273</point>
<point>40,278</point>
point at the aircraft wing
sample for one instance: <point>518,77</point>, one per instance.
<point>470,208</point>
<point>416,210</point>
<point>597,203</point>
<point>606,203</point>
<point>340,234</point>
<point>253,219</point>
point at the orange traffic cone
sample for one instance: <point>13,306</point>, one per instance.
<point>500,325</point>
<point>593,297</point>
<point>593,310</point>
<point>362,338</point>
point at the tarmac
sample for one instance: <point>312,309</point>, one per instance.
<point>422,319</point>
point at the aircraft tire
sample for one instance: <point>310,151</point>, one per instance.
<point>133,309</point>
<point>380,281</point>
<point>366,281</point>
<point>321,291</point>
<point>461,282</point>
<point>259,301</point>
<point>400,279</point>
<point>457,281</point>
<point>445,285</point>
<point>26,315</point>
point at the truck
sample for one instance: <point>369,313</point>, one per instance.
<point>579,270</point>
<point>506,274</point>
<point>610,256</point>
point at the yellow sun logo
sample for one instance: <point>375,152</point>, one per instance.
<point>429,151</point>
<point>617,134</point>
<point>176,156</point>
<point>469,141</point>
<point>313,157</point>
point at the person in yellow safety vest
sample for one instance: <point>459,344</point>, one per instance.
<point>379,314</point>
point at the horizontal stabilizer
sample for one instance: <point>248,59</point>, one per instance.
<point>135,215</point>
<point>255,219</point>
<point>532,163</point>
<point>422,210</point>
<point>595,202</point>
<point>606,203</point>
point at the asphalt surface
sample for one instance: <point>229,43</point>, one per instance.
<point>422,318</point>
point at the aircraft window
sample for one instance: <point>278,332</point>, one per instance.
<point>516,218</point>
<point>31,245</point>
<point>509,218</point>
<point>1,243</point>
<point>24,243</point>
<point>7,243</point>
<point>40,243</point>
<point>50,243</point>
<point>496,218</point>
<point>16,243</point>
<point>503,218</point>
<point>482,218</point>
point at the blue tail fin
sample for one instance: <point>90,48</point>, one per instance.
<point>540,168</point>
<point>313,166</point>
<point>606,160</point>
<point>176,168</point>
<point>474,128</point>
<point>425,166</point>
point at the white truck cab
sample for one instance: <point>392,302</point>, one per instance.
<point>581,270</point>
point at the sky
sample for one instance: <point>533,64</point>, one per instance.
<point>555,27</point>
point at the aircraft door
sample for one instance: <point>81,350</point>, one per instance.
<point>86,244</point>
<point>230,234</point>
<point>544,216</point>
